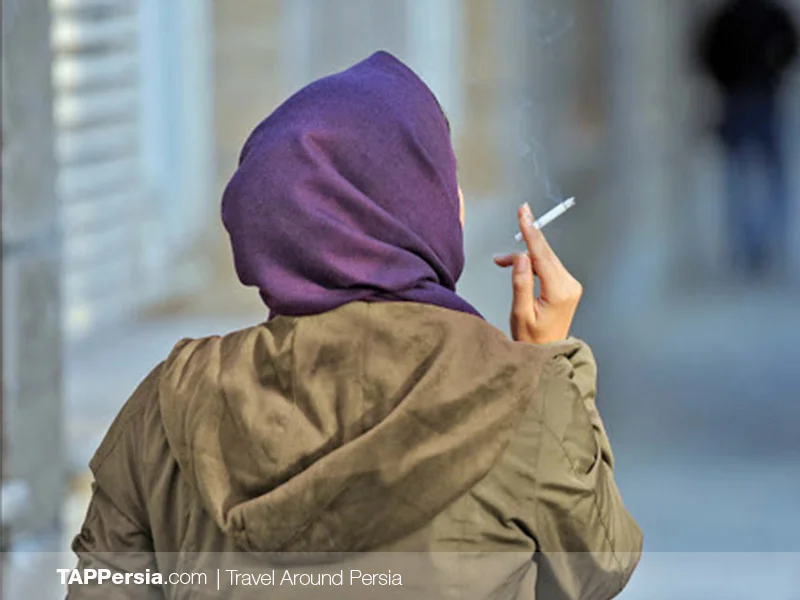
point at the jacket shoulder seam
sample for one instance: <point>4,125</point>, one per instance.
<point>108,446</point>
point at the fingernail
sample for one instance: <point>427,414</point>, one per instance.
<point>528,213</point>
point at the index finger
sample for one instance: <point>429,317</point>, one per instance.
<point>545,262</point>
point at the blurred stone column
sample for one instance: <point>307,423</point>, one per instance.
<point>32,408</point>
<point>644,78</point>
<point>521,100</point>
<point>324,36</point>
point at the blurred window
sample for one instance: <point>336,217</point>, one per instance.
<point>106,203</point>
<point>120,149</point>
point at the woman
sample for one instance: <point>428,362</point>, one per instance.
<point>375,410</point>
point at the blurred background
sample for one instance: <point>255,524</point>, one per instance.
<point>121,124</point>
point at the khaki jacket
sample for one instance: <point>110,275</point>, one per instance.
<point>470,465</point>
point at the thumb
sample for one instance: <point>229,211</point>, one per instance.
<point>523,307</point>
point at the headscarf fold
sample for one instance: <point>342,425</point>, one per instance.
<point>348,191</point>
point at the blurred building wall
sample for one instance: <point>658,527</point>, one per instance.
<point>248,81</point>
<point>31,394</point>
<point>645,83</point>
<point>479,149</point>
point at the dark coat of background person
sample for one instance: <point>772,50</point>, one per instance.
<point>747,48</point>
<point>396,428</point>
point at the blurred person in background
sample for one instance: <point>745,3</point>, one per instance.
<point>747,48</point>
<point>376,410</point>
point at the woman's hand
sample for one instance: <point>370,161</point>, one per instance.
<point>547,318</point>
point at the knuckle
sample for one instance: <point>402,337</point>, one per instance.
<point>521,278</point>
<point>522,318</point>
<point>519,314</point>
<point>570,287</point>
<point>567,293</point>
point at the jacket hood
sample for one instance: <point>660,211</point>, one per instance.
<point>344,431</point>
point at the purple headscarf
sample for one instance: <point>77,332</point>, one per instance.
<point>348,192</point>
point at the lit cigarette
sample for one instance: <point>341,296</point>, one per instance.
<point>549,217</point>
